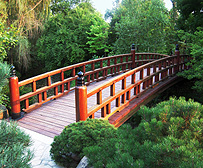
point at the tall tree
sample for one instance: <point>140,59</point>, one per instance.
<point>98,35</point>
<point>64,41</point>
<point>143,22</point>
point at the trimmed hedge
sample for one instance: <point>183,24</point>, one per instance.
<point>67,148</point>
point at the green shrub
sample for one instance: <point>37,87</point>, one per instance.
<point>67,148</point>
<point>13,146</point>
<point>168,135</point>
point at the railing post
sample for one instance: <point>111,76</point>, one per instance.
<point>81,98</point>
<point>177,52</point>
<point>14,95</point>
<point>133,56</point>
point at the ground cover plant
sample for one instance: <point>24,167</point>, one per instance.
<point>168,135</point>
<point>13,146</point>
<point>67,148</point>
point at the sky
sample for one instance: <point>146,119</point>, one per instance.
<point>103,5</point>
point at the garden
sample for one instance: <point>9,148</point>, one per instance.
<point>40,36</point>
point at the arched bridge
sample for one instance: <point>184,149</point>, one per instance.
<point>112,88</point>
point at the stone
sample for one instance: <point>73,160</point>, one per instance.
<point>84,163</point>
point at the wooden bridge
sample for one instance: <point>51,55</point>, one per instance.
<point>112,88</point>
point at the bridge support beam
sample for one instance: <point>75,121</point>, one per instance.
<point>14,96</point>
<point>81,98</point>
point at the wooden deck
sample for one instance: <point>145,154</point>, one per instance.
<point>51,118</point>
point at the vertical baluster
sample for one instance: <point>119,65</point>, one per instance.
<point>166,71</point>
<point>92,66</point>
<point>62,79</point>
<point>173,64</point>
<point>99,97</point>
<point>97,75</point>
<point>141,74</point>
<point>115,63</point>
<point>45,95</point>
<point>148,74</point>
<point>112,90</point>
<point>123,99</point>
<point>108,108</point>
<point>170,68</point>
<point>133,78</point>
<point>73,72</point>
<point>128,95</point>
<point>49,80</point>
<point>118,67</point>
<point>56,91</point>
<point>108,62</point>
<point>160,66</point>
<point>39,98</point>
<point>122,66</point>
<point>68,86</point>
<point>34,86</point>
<point>103,111</point>
<point>101,64</point>
<point>127,66</point>
<point>118,101</point>
<point>138,89</point>
<point>88,78</point>
<point>144,85</point>
<point>124,83</point>
<point>26,103</point>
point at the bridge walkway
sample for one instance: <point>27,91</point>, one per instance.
<point>51,118</point>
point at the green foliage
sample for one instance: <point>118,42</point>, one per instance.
<point>64,40</point>
<point>13,146</point>
<point>195,46</point>
<point>168,135</point>
<point>98,35</point>
<point>144,23</point>
<point>7,39</point>
<point>27,16</point>
<point>190,14</point>
<point>68,146</point>
<point>4,75</point>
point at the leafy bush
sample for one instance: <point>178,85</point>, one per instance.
<point>195,46</point>
<point>169,135</point>
<point>13,146</point>
<point>67,148</point>
<point>4,75</point>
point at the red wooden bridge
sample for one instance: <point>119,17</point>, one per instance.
<point>112,88</point>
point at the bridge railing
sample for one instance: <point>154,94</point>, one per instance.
<point>61,81</point>
<point>142,78</point>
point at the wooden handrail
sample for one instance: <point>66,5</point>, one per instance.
<point>100,69</point>
<point>156,72</point>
